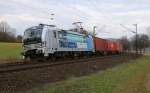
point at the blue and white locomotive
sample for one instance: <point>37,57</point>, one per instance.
<point>49,41</point>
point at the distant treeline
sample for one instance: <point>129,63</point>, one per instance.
<point>141,42</point>
<point>8,34</point>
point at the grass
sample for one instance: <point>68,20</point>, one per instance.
<point>115,80</point>
<point>10,50</point>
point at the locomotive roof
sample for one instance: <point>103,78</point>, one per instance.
<point>70,31</point>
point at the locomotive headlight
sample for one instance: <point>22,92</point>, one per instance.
<point>44,44</point>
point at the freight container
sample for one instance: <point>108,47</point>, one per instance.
<point>106,46</point>
<point>100,44</point>
<point>110,46</point>
<point>113,47</point>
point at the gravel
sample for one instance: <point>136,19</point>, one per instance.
<point>22,81</point>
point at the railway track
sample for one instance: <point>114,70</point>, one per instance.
<point>21,78</point>
<point>20,67</point>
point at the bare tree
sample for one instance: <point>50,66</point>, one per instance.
<point>4,27</point>
<point>148,31</point>
<point>19,37</point>
<point>125,43</point>
<point>7,33</point>
<point>145,41</point>
<point>142,42</point>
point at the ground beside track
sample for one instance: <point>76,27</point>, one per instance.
<point>133,77</point>
<point>9,51</point>
<point>22,81</point>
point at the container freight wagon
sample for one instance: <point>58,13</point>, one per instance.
<point>112,47</point>
<point>100,45</point>
<point>103,46</point>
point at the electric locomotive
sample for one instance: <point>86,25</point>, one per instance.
<point>48,41</point>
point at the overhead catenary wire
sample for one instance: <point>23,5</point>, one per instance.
<point>106,17</point>
<point>80,13</point>
<point>100,11</point>
<point>127,28</point>
<point>104,14</point>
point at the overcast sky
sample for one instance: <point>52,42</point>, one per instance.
<point>107,15</point>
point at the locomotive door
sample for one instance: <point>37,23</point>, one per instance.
<point>51,40</point>
<point>54,40</point>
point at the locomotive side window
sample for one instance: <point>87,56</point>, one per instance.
<point>54,34</point>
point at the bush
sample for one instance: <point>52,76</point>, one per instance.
<point>6,37</point>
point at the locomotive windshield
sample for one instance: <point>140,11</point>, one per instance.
<point>33,35</point>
